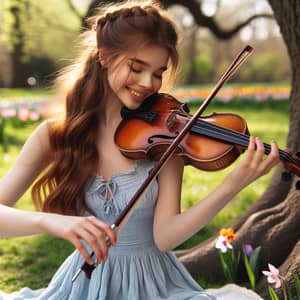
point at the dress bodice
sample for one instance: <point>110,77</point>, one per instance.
<point>108,198</point>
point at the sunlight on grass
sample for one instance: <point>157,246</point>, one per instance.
<point>22,93</point>
<point>30,261</point>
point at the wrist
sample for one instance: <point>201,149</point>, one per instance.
<point>229,188</point>
<point>41,222</point>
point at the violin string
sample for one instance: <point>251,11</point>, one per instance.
<point>236,137</point>
<point>225,134</point>
<point>242,139</point>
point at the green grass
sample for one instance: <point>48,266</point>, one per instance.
<point>21,93</point>
<point>32,261</point>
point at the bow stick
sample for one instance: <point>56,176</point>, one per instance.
<point>125,214</point>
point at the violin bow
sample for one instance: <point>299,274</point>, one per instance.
<point>125,214</point>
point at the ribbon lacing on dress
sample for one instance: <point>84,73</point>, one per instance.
<point>107,190</point>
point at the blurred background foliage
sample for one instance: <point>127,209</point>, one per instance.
<point>37,39</point>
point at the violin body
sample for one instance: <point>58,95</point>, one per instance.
<point>149,130</point>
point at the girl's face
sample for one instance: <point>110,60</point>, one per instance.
<point>136,75</point>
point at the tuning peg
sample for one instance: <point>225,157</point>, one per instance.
<point>286,176</point>
<point>297,185</point>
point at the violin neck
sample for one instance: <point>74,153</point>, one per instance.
<point>230,136</point>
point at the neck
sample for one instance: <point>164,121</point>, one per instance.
<point>110,111</point>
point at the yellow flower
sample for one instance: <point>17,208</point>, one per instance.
<point>228,233</point>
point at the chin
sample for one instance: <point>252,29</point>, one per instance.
<point>133,106</point>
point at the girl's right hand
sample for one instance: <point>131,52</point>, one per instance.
<point>97,234</point>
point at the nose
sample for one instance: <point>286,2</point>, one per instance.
<point>146,81</point>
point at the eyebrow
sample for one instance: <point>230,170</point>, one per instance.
<point>139,61</point>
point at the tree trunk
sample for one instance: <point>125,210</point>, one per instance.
<point>273,222</point>
<point>191,56</point>
<point>18,65</point>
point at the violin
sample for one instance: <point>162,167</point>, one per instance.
<point>212,143</point>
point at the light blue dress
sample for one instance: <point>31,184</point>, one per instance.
<point>135,268</point>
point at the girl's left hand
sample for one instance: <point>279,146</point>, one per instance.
<point>255,164</point>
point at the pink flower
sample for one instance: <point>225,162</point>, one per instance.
<point>34,115</point>
<point>8,112</point>
<point>23,114</point>
<point>273,276</point>
<point>223,244</point>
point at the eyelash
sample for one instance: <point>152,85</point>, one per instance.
<point>158,76</point>
<point>139,71</point>
<point>135,70</point>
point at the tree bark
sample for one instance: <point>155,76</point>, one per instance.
<point>18,66</point>
<point>191,54</point>
<point>275,229</point>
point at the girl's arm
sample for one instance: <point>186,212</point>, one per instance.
<point>34,157</point>
<point>171,227</point>
<point>16,222</point>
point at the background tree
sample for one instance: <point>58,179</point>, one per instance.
<point>29,29</point>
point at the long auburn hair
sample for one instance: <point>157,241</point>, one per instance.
<point>114,30</point>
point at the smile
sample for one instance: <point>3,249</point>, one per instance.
<point>136,93</point>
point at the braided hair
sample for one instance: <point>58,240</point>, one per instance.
<point>113,30</point>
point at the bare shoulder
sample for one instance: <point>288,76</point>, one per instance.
<point>43,129</point>
<point>41,134</point>
<point>38,143</point>
<point>34,157</point>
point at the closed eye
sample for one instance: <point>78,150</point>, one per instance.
<point>135,65</point>
<point>158,76</point>
<point>135,69</point>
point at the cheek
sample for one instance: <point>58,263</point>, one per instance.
<point>157,85</point>
<point>129,78</point>
<point>116,81</point>
<point>123,79</point>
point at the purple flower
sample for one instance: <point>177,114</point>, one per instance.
<point>248,250</point>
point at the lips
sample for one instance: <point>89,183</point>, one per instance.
<point>137,95</point>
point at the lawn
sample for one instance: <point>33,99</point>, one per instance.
<point>31,261</point>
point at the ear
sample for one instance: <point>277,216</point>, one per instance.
<point>102,58</point>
